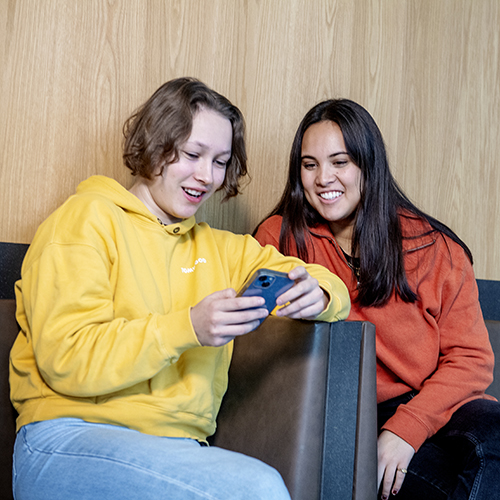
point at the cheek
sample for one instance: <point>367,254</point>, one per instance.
<point>219,176</point>
<point>359,184</point>
<point>306,179</point>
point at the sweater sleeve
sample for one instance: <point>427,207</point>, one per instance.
<point>255,257</point>
<point>268,233</point>
<point>464,368</point>
<point>82,348</point>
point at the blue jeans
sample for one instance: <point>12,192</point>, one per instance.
<point>68,458</point>
<point>461,461</point>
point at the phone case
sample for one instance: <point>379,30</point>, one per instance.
<point>268,284</point>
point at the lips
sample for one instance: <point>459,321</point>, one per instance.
<point>193,192</point>
<point>330,195</point>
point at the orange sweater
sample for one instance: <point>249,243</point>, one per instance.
<point>438,345</point>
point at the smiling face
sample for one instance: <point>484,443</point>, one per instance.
<point>183,186</point>
<point>331,180</point>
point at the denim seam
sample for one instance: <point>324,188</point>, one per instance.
<point>479,453</point>
<point>14,478</point>
<point>426,480</point>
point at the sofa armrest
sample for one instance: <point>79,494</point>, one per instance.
<point>302,398</point>
<point>9,331</point>
<point>494,333</point>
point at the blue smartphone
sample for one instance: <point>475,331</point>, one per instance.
<point>268,284</point>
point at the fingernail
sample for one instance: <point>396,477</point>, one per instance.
<point>395,492</point>
<point>384,497</point>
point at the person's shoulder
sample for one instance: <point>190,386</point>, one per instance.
<point>413,225</point>
<point>273,222</point>
<point>80,217</point>
<point>270,226</point>
<point>86,207</point>
<point>420,239</point>
<point>268,232</point>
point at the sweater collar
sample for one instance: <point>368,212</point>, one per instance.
<point>417,232</point>
<point>180,228</point>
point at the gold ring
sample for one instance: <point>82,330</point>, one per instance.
<point>404,471</point>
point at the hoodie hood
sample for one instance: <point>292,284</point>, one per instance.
<point>99,185</point>
<point>111,190</point>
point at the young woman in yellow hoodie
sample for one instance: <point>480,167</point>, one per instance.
<point>127,310</point>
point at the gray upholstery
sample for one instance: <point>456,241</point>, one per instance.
<point>9,330</point>
<point>11,258</point>
<point>489,298</point>
<point>494,331</point>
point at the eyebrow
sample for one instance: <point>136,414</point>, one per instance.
<point>330,156</point>
<point>204,146</point>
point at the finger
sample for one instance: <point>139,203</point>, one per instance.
<point>227,293</point>
<point>221,329</point>
<point>380,475</point>
<point>388,482</point>
<point>243,303</point>
<point>298,273</point>
<point>308,313</point>
<point>398,482</point>
<point>233,331</point>
<point>226,300</point>
<point>300,289</point>
<point>309,304</point>
<point>242,317</point>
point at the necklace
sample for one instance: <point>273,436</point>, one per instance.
<point>354,265</point>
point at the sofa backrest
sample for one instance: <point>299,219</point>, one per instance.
<point>9,331</point>
<point>494,331</point>
<point>11,259</point>
<point>489,298</point>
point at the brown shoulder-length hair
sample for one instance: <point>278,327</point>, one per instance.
<point>155,132</point>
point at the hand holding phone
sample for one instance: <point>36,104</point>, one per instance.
<point>268,284</point>
<point>219,318</point>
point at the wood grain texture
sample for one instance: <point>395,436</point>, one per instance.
<point>72,72</point>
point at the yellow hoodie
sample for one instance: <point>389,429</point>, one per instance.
<point>104,308</point>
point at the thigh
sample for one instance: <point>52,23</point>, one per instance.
<point>477,420</point>
<point>460,458</point>
<point>69,458</point>
<point>433,471</point>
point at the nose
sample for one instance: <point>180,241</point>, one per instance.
<point>204,171</point>
<point>325,175</point>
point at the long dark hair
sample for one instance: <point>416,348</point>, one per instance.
<point>377,236</point>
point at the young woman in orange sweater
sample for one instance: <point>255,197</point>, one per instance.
<point>410,275</point>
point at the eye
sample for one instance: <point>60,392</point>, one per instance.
<point>190,155</point>
<point>309,165</point>
<point>340,163</point>
<point>221,163</point>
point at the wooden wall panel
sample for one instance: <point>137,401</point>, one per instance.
<point>428,71</point>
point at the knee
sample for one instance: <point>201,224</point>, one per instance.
<point>482,422</point>
<point>266,482</point>
<point>248,477</point>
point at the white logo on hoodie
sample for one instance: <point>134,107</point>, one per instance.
<point>201,260</point>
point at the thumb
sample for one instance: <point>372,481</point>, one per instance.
<point>228,293</point>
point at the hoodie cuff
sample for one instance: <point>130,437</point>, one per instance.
<point>407,427</point>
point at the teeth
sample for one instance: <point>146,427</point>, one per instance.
<point>193,192</point>
<point>330,195</point>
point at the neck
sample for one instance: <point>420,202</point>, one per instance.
<point>343,235</point>
<point>141,190</point>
